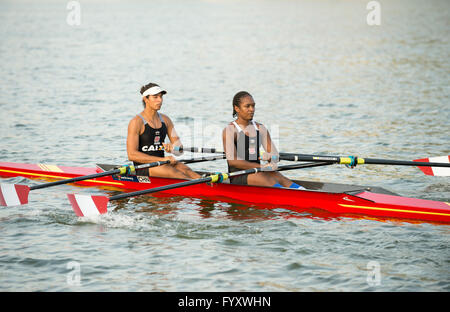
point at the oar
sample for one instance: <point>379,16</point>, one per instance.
<point>439,162</point>
<point>434,166</point>
<point>204,150</point>
<point>88,205</point>
<point>17,194</point>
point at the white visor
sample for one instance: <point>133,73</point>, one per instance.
<point>153,90</point>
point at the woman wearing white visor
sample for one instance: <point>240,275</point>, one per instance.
<point>146,134</point>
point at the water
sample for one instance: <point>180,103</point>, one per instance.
<point>323,81</point>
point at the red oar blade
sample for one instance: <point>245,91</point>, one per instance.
<point>436,171</point>
<point>13,194</point>
<point>87,205</point>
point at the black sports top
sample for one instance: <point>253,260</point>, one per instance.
<point>150,141</point>
<point>247,148</point>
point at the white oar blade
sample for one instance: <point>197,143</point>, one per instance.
<point>87,205</point>
<point>13,194</point>
<point>436,171</point>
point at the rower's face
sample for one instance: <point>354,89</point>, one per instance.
<point>246,109</point>
<point>154,101</point>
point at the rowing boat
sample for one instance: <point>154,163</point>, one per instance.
<point>341,199</point>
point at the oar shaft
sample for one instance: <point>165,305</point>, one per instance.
<point>213,178</point>
<point>304,157</point>
<point>122,170</point>
<point>303,165</point>
<point>330,159</point>
<point>375,161</point>
<point>162,188</point>
<point>201,159</point>
<point>204,150</point>
<point>280,168</point>
<point>358,160</point>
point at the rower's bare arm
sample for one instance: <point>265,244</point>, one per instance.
<point>172,134</point>
<point>134,129</point>
<point>267,142</point>
<point>230,150</point>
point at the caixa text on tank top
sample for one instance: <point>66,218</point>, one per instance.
<point>157,146</point>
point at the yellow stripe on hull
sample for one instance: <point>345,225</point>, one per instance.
<point>397,210</point>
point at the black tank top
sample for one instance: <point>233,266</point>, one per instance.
<point>150,141</point>
<point>247,148</point>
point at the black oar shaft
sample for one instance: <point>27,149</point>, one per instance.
<point>331,159</point>
<point>280,168</point>
<point>162,188</point>
<point>97,175</point>
<point>210,178</point>
<point>198,150</point>
<point>303,157</point>
<point>375,161</point>
<point>66,181</point>
<point>121,170</point>
<point>304,165</point>
<point>358,160</point>
<point>201,159</point>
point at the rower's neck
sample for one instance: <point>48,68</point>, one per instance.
<point>150,113</point>
<point>243,122</point>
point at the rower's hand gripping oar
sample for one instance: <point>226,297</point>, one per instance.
<point>89,205</point>
<point>437,165</point>
<point>17,194</point>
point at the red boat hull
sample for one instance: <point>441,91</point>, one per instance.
<point>359,202</point>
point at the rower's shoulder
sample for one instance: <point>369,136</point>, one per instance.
<point>137,119</point>
<point>229,126</point>
<point>260,126</point>
<point>166,118</point>
<point>136,124</point>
